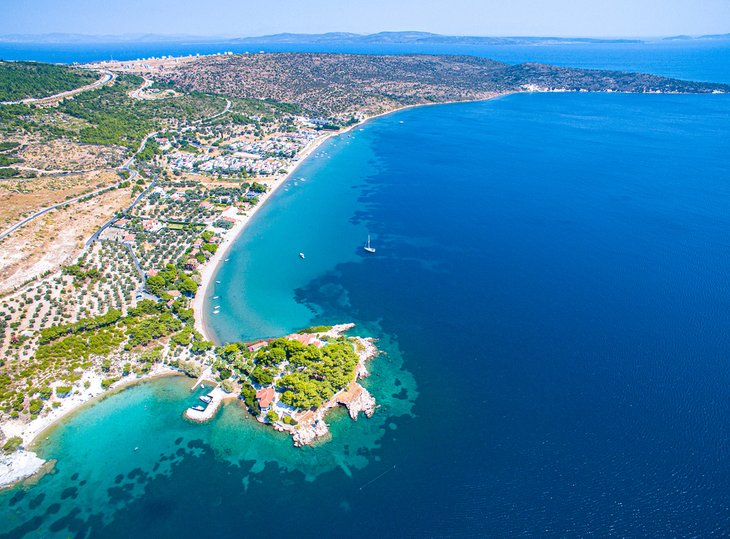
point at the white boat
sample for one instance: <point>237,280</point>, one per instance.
<point>368,247</point>
<point>301,255</point>
<point>216,297</point>
<point>206,399</point>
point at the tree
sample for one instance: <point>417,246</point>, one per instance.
<point>156,285</point>
<point>187,286</point>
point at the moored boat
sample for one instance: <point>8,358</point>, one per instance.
<point>368,247</point>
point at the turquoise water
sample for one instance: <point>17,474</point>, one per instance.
<point>550,286</point>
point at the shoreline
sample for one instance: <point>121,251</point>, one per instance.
<point>210,269</point>
<point>25,464</point>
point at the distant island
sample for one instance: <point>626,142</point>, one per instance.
<point>125,183</point>
<point>341,38</point>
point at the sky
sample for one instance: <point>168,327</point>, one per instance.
<point>238,18</point>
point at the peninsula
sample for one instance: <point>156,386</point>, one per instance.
<point>124,183</point>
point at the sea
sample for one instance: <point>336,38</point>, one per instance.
<point>550,293</point>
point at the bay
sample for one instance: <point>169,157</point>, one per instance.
<point>550,286</point>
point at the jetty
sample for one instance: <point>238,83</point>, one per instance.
<point>208,412</point>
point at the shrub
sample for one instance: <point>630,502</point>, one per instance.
<point>108,382</point>
<point>63,391</point>
<point>12,444</point>
<point>35,407</point>
<point>228,386</point>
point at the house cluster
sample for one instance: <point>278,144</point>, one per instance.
<point>286,146</point>
<point>258,158</point>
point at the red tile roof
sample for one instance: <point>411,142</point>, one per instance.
<point>265,396</point>
<point>255,346</point>
<point>304,339</point>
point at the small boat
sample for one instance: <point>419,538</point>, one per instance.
<point>216,297</point>
<point>218,282</point>
<point>367,247</point>
<point>301,255</point>
<point>206,399</point>
<point>197,408</point>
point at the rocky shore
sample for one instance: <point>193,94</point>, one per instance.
<point>17,466</point>
<point>311,424</point>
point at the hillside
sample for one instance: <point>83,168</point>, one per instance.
<point>20,80</point>
<point>341,84</point>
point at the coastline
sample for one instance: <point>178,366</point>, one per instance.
<point>211,267</point>
<point>23,464</point>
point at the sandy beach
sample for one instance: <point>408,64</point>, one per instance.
<point>23,464</point>
<point>210,268</point>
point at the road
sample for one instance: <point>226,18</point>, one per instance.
<point>135,94</point>
<point>55,206</point>
<point>221,113</point>
<point>125,211</point>
<point>106,78</point>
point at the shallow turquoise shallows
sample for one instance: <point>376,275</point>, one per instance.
<point>550,285</point>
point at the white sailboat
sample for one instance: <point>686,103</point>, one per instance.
<point>368,247</point>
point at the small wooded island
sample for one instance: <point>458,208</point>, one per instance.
<point>292,382</point>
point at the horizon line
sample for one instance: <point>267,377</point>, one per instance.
<point>129,35</point>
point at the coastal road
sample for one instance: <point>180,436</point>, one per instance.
<point>106,78</point>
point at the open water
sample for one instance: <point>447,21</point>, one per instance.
<point>551,288</point>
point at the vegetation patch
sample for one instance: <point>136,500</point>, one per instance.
<point>21,80</point>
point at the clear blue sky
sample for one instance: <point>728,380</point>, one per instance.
<point>455,17</point>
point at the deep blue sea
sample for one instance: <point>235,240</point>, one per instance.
<point>551,290</point>
<point>694,60</point>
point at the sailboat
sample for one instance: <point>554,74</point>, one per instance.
<point>368,248</point>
